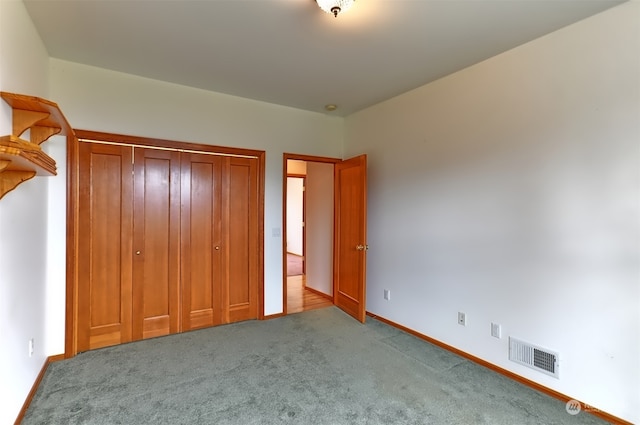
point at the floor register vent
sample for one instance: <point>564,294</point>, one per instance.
<point>535,357</point>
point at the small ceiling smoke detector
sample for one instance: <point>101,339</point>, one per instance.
<point>335,6</point>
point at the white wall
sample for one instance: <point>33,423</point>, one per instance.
<point>295,212</point>
<point>56,147</point>
<point>510,191</point>
<point>319,223</point>
<point>23,223</point>
<point>102,100</point>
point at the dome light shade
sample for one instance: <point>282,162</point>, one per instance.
<point>335,6</point>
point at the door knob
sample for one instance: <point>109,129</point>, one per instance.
<point>362,247</point>
<point>217,248</point>
<point>138,252</point>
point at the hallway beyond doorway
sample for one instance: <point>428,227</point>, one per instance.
<point>294,265</point>
<point>300,298</point>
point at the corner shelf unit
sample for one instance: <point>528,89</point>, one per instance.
<point>22,159</point>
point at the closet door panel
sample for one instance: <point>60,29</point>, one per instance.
<point>104,261</point>
<point>156,242</point>
<point>242,245</point>
<point>202,249</point>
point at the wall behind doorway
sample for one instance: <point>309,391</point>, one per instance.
<point>295,215</point>
<point>319,225</point>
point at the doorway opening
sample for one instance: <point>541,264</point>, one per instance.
<point>335,232</point>
<point>308,232</point>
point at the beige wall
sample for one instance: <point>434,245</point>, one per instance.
<point>510,191</point>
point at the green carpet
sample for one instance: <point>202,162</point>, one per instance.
<point>318,367</point>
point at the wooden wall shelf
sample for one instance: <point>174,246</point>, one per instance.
<point>22,159</point>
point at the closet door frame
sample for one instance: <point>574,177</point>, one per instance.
<point>72,251</point>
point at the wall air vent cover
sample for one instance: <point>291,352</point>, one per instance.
<point>535,357</point>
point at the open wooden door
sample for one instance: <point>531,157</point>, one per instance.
<point>350,241</point>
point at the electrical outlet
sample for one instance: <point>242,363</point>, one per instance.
<point>31,347</point>
<point>462,319</point>
<point>496,330</point>
<point>387,294</point>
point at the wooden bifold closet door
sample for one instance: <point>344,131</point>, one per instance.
<point>201,248</point>
<point>168,242</point>
<point>105,256</point>
<point>156,242</point>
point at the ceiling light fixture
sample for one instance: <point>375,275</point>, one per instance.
<point>335,6</point>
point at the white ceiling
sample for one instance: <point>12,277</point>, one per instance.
<point>289,52</point>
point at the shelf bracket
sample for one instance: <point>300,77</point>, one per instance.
<point>40,134</point>
<point>21,160</point>
<point>23,120</point>
<point>11,179</point>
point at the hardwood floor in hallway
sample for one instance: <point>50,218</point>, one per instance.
<point>301,299</point>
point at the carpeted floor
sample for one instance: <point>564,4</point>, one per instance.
<point>318,367</point>
<point>294,265</point>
